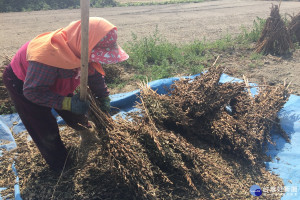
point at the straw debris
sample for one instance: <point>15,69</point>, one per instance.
<point>203,140</point>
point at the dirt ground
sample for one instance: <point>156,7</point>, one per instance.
<point>179,23</point>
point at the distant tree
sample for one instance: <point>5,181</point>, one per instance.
<point>11,5</point>
<point>28,5</point>
<point>102,3</point>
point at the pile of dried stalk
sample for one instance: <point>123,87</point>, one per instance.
<point>204,141</point>
<point>294,27</point>
<point>275,38</point>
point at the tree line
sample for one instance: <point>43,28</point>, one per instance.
<point>30,5</point>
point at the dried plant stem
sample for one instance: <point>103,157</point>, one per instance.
<point>60,176</point>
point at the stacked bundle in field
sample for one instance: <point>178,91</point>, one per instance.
<point>275,38</point>
<point>294,27</point>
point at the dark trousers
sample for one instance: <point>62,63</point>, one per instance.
<point>40,123</point>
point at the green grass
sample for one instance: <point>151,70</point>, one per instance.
<point>154,57</point>
<point>256,56</point>
<point>253,34</point>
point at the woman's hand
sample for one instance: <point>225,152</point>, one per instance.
<point>75,105</point>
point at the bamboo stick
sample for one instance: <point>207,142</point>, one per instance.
<point>84,5</point>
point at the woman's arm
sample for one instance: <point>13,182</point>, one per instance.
<point>39,79</point>
<point>97,85</point>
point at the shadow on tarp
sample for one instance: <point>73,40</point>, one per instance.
<point>285,156</point>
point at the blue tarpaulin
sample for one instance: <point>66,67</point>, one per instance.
<point>285,156</point>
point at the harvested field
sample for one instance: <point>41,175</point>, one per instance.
<point>179,23</point>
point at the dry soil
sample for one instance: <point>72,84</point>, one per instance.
<point>179,23</point>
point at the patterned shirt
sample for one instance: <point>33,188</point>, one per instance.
<point>40,77</point>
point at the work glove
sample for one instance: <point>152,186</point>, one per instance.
<point>104,104</point>
<point>75,105</point>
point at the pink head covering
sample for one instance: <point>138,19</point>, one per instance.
<point>107,51</point>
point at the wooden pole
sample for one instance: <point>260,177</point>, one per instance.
<point>84,5</point>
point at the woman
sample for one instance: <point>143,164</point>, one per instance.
<point>44,74</point>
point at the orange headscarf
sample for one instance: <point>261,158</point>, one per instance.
<point>62,48</point>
